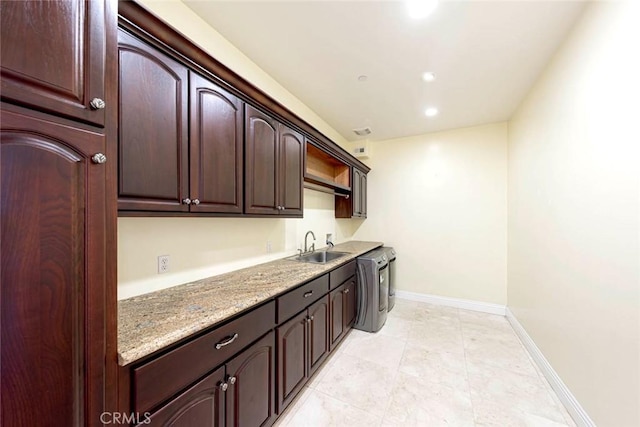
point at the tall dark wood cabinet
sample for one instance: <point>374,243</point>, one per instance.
<point>273,166</point>
<point>57,213</point>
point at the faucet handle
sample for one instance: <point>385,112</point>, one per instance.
<point>313,247</point>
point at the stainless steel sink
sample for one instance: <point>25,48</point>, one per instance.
<point>320,257</point>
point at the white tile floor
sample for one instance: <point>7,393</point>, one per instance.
<point>429,366</point>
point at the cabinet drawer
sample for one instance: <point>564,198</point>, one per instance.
<point>338,276</point>
<point>165,376</point>
<point>298,299</point>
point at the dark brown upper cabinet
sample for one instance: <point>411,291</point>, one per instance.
<point>215,148</point>
<point>174,158</point>
<point>356,205</point>
<point>153,129</point>
<point>273,166</point>
<point>65,69</point>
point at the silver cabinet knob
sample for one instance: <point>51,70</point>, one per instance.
<point>223,386</point>
<point>232,380</point>
<point>195,202</point>
<point>346,291</point>
<point>311,318</point>
<point>97,104</point>
<point>99,158</point>
<point>186,201</point>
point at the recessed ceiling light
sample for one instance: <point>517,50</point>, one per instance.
<point>419,9</point>
<point>362,78</point>
<point>428,76</point>
<point>430,112</point>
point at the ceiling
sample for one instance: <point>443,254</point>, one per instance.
<point>485,54</point>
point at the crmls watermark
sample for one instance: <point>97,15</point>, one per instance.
<point>124,418</point>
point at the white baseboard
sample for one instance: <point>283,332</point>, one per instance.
<point>569,401</point>
<point>484,307</point>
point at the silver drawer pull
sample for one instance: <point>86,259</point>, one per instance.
<point>308,294</point>
<point>226,341</point>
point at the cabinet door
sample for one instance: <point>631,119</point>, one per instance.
<point>363,194</point>
<point>292,358</point>
<point>201,405</point>
<point>152,134</point>
<point>291,173</point>
<point>52,273</point>
<point>336,329</point>
<point>318,333</point>
<point>356,192</point>
<point>215,148</point>
<point>261,163</point>
<point>350,299</point>
<point>53,56</point>
<point>251,376</point>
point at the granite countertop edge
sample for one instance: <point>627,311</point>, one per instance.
<point>150,322</point>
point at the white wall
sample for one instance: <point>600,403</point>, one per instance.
<point>573,247</point>
<point>441,201</point>
<point>203,247</point>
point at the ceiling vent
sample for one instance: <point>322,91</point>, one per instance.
<point>362,131</point>
<point>361,149</point>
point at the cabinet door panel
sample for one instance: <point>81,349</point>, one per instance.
<point>52,274</point>
<point>261,153</point>
<point>349,303</point>
<point>357,192</point>
<point>68,68</point>
<point>251,399</point>
<point>291,170</point>
<point>318,333</point>
<point>153,140</point>
<point>337,316</point>
<point>292,358</point>
<point>201,405</point>
<point>215,147</point>
<point>363,194</point>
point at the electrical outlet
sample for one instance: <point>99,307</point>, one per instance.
<point>269,247</point>
<point>163,264</point>
<point>329,238</point>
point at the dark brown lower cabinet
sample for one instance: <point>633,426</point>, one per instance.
<point>200,405</point>
<point>240,393</point>
<point>302,347</point>
<point>343,310</point>
<point>251,397</point>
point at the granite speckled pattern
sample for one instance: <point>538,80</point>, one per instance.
<point>150,322</point>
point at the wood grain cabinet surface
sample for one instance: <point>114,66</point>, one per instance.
<point>240,393</point>
<point>273,166</point>
<point>53,56</point>
<point>58,213</point>
<point>302,347</point>
<point>180,136</point>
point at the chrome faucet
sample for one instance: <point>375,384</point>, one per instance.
<point>313,245</point>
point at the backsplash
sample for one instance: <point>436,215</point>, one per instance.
<point>203,247</point>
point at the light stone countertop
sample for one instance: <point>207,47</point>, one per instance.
<point>150,322</point>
